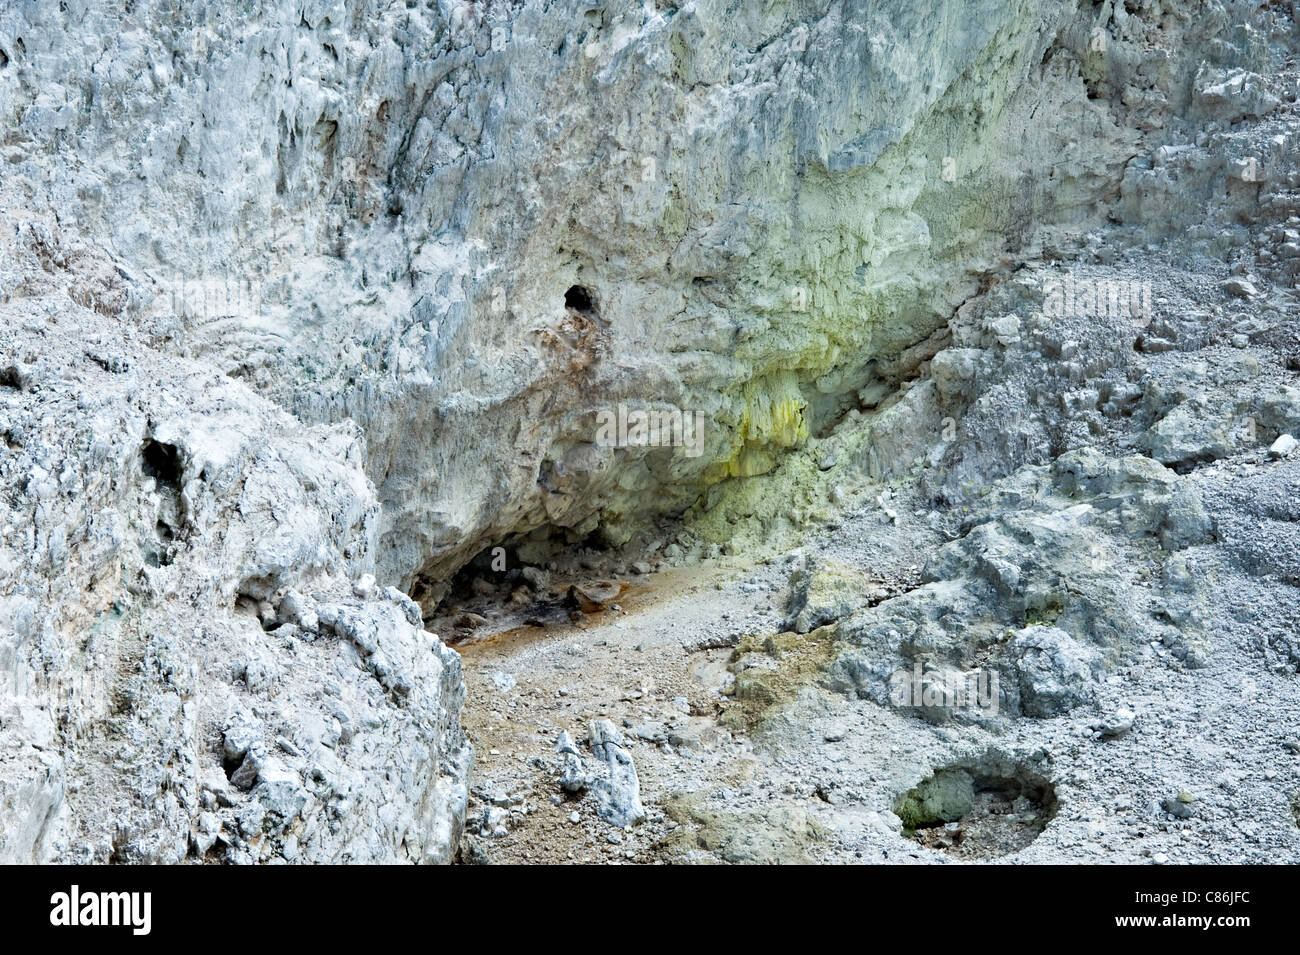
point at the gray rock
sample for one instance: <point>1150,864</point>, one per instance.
<point>823,590</point>
<point>1117,724</point>
<point>1181,805</point>
<point>537,578</point>
<point>1056,673</point>
<point>1283,446</point>
<point>294,609</point>
<point>574,776</point>
<point>618,793</point>
<point>1240,288</point>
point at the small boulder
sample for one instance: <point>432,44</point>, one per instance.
<point>574,777</point>
<point>618,795</point>
<point>1240,288</point>
<point>1283,446</point>
<point>1180,806</point>
<point>469,621</point>
<point>1056,672</point>
<point>595,597</point>
<point>822,591</point>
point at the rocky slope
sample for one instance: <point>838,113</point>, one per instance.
<point>198,662</point>
<point>308,306</point>
<point>1091,660</point>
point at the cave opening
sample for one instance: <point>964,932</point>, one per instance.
<point>524,580</point>
<point>981,810</point>
<point>580,299</point>
<point>162,462</point>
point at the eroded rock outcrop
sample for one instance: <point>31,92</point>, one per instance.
<point>194,660</point>
<point>469,230</point>
<point>306,303</point>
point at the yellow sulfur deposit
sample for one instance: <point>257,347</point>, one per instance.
<point>772,422</point>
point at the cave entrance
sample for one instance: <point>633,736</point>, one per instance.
<point>580,299</point>
<point>162,462</point>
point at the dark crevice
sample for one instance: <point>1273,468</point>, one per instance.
<point>230,764</point>
<point>580,299</point>
<point>162,462</point>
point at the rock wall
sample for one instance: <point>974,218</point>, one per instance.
<point>195,661</point>
<point>297,295</point>
<point>375,210</point>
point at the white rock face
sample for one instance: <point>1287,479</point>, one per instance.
<point>375,210</point>
<point>164,696</point>
<point>376,215</point>
<point>304,304</point>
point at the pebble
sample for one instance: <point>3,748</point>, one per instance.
<point>1239,287</point>
<point>1118,724</point>
<point>1180,806</point>
<point>1282,447</point>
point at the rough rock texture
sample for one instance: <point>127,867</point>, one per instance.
<point>194,660</point>
<point>766,208</point>
<point>304,304</point>
<point>168,693</point>
<point>824,591</point>
<point>618,794</point>
<point>1085,490</point>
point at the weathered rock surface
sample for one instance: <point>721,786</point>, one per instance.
<point>304,305</point>
<point>470,230</point>
<point>823,591</point>
<point>618,791</point>
<point>194,660</point>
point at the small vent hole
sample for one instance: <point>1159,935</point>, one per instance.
<point>579,298</point>
<point>162,462</point>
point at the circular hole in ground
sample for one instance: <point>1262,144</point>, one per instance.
<point>978,810</point>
